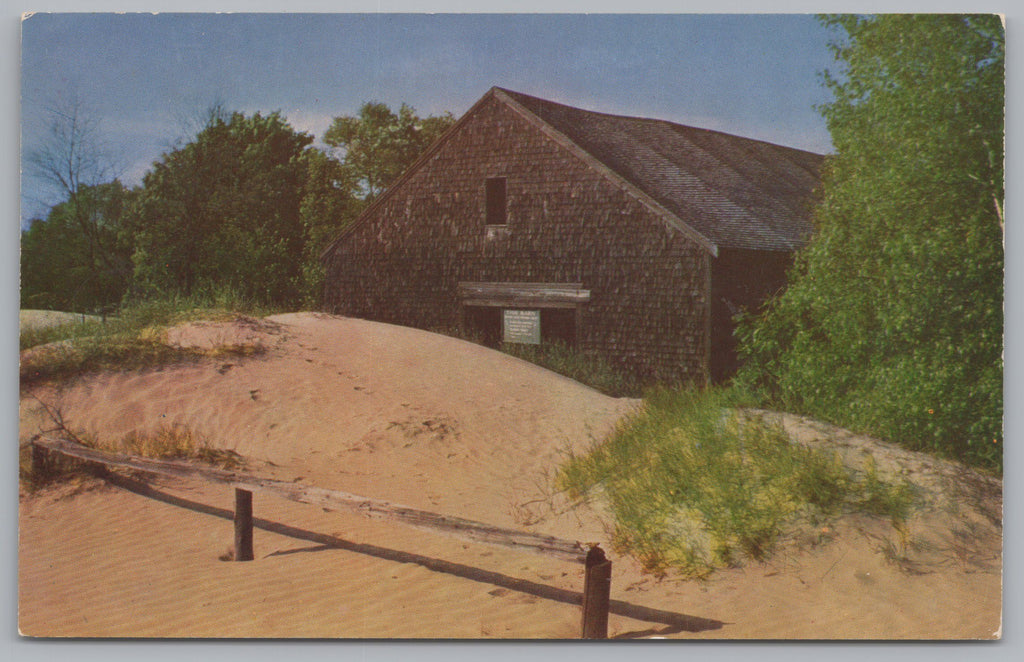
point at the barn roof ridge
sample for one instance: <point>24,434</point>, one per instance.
<point>652,120</point>
<point>732,191</point>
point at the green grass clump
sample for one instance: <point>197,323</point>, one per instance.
<point>138,316</point>
<point>32,337</point>
<point>587,369</point>
<point>695,485</point>
<point>131,339</point>
<point>96,354</point>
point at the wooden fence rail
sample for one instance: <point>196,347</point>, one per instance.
<point>597,577</point>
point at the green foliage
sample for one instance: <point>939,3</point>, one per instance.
<point>42,335</point>
<point>893,321</point>
<point>133,339</point>
<point>329,204</point>
<point>373,150</point>
<point>223,211</point>
<point>587,369</point>
<point>694,484</point>
<point>79,258</point>
<point>100,353</point>
<point>379,145</point>
<point>214,304</point>
<point>247,206</point>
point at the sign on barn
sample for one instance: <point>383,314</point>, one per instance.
<point>522,326</point>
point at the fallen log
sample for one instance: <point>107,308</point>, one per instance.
<point>456,527</point>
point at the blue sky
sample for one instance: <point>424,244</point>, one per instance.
<point>144,76</point>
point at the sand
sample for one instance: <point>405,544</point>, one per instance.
<point>447,426</point>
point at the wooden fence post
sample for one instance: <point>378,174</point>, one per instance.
<point>597,588</point>
<point>40,462</point>
<point>243,525</point>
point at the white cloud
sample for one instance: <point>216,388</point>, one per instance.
<point>314,123</point>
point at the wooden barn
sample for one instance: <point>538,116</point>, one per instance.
<point>635,239</point>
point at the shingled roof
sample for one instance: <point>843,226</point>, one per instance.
<point>735,192</point>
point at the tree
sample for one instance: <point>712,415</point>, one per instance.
<point>222,212</point>
<point>329,204</point>
<point>892,321</point>
<point>71,160</point>
<point>70,155</point>
<point>61,268</point>
<point>378,145</point>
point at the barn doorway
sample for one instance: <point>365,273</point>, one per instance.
<point>485,324</point>
<point>558,325</point>
<point>557,305</point>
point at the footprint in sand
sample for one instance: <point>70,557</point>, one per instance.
<point>864,577</point>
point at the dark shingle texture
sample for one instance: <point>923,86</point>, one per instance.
<point>736,192</point>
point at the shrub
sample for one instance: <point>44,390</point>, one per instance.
<point>892,322</point>
<point>694,484</point>
<point>588,369</point>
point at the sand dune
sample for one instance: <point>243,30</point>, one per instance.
<point>446,426</point>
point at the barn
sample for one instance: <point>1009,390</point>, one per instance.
<point>630,238</point>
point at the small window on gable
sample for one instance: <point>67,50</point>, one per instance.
<point>497,208</point>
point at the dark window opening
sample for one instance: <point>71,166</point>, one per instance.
<point>558,325</point>
<point>483,324</point>
<point>497,208</point>
<point>724,361</point>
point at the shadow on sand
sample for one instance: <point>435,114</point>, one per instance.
<point>673,622</point>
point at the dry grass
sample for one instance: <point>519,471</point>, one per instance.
<point>171,442</point>
<point>176,442</point>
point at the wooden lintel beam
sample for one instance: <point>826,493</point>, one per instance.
<point>523,294</point>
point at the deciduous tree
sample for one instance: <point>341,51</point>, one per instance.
<point>892,321</point>
<point>71,161</point>
<point>79,257</point>
<point>223,212</point>
<point>379,145</point>
<point>330,202</point>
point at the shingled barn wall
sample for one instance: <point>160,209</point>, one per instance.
<point>567,223</point>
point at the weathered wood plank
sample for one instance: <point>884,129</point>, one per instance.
<point>329,499</point>
<point>518,303</point>
<point>523,293</point>
<point>40,463</point>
